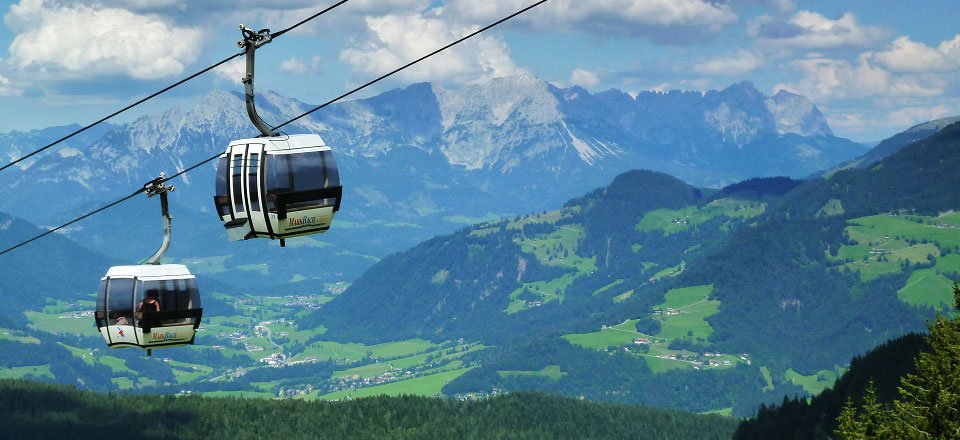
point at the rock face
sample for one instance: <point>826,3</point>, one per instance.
<point>424,153</point>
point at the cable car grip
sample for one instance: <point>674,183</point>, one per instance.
<point>251,41</point>
<point>159,187</point>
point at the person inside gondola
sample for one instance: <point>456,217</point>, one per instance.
<point>150,304</point>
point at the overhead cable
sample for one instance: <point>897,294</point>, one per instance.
<point>357,89</point>
<point>161,91</point>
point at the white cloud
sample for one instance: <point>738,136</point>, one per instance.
<point>294,65</point>
<point>825,79</point>
<point>732,65</point>
<point>232,71</point>
<point>848,122</point>
<point>906,55</point>
<point>910,116</point>
<point>7,90</point>
<point>584,78</point>
<point>951,49</point>
<point>809,30</point>
<point>655,18</point>
<point>84,41</point>
<point>297,66</point>
<point>393,40</point>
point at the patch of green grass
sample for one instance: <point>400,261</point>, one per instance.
<point>767,377</point>
<point>483,232</point>
<point>464,220</point>
<point>263,268</point>
<point>548,217</point>
<point>84,354</point>
<point>437,356</point>
<point>950,218</point>
<point>671,221</point>
<point>559,248</point>
<point>327,350</point>
<point>691,322</point>
<point>123,383</point>
<point>685,296</point>
<point>814,383</point>
<point>17,336</point>
<point>658,365</point>
<point>550,372</point>
<point>212,264</point>
<point>549,290</point>
<point>53,323</point>
<point>903,226</point>
<point>833,207</point>
<point>116,364</point>
<point>623,296</point>
<point>615,283</point>
<point>400,348</point>
<point>363,371</point>
<point>39,371</point>
<point>430,385</point>
<point>667,220</point>
<point>618,335</point>
<point>311,242</point>
<point>692,308</point>
<point>669,272</point>
<point>726,412</point>
<point>185,372</point>
<point>440,277</point>
<point>884,243</point>
<point>929,287</point>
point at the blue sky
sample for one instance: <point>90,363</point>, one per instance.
<point>874,67</point>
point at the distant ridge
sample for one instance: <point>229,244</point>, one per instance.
<point>891,145</point>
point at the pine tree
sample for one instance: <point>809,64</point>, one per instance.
<point>929,402</point>
<point>929,406</point>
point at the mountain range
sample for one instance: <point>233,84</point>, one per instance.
<point>420,160</point>
<point>580,275</point>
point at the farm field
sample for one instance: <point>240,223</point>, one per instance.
<point>557,248</point>
<point>550,372</point>
<point>682,316</point>
<point>884,243</point>
<point>814,383</point>
<point>671,221</point>
<point>262,336</point>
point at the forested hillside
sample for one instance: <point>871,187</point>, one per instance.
<point>799,418</point>
<point>539,288</point>
<point>851,242</point>
<point>37,411</point>
<point>735,290</point>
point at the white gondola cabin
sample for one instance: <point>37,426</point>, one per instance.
<point>148,306</point>
<point>277,187</point>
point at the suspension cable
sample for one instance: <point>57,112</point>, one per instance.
<point>161,91</point>
<point>357,89</point>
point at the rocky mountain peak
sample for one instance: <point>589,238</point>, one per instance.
<point>793,113</point>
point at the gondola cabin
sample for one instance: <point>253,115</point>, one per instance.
<point>277,187</point>
<point>148,306</point>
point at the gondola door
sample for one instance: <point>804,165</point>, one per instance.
<point>245,187</point>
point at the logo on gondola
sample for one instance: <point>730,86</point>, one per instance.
<point>165,335</point>
<point>302,221</point>
<point>120,330</point>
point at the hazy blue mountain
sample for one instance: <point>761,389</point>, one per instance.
<point>54,268</point>
<point>894,143</point>
<point>419,161</point>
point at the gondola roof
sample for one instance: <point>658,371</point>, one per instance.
<point>150,270</point>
